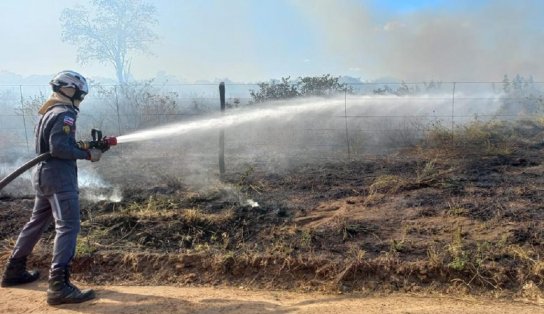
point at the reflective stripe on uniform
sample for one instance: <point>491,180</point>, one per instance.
<point>57,208</point>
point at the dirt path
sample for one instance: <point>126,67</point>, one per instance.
<point>136,299</point>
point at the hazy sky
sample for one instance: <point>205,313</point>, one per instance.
<point>254,40</point>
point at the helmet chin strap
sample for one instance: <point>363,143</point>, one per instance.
<point>72,99</point>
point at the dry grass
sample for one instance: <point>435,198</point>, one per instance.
<point>386,184</point>
<point>462,211</point>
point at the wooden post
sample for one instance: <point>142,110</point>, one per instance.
<point>222,132</point>
<point>346,120</point>
<point>453,114</point>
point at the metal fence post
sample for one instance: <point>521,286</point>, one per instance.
<point>222,132</point>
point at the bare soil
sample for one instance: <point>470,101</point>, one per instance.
<point>164,299</point>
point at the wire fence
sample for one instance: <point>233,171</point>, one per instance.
<point>364,118</point>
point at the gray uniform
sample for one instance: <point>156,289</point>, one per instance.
<point>55,182</point>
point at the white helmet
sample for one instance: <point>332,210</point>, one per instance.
<point>71,79</point>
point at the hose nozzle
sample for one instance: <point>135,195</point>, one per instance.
<point>99,142</point>
<point>110,140</point>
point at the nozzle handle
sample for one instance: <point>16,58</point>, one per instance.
<point>96,134</point>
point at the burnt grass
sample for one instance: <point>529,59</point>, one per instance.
<point>451,214</point>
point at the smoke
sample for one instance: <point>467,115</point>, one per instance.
<point>463,41</point>
<point>21,186</point>
<point>274,137</point>
<point>92,186</point>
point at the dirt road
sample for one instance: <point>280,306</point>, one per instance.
<point>159,299</point>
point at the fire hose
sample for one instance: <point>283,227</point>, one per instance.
<point>98,142</point>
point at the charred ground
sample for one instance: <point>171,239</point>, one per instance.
<point>459,212</point>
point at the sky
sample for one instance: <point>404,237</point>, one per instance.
<point>258,40</point>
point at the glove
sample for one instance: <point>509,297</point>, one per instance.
<point>94,154</point>
<point>83,145</point>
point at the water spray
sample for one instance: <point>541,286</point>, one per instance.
<point>104,143</point>
<point>238,117</point>
<point>232,119</point>
<point>98,142</point>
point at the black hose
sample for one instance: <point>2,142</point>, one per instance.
<point>31,163</point>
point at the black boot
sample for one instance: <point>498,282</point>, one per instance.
<point>16,273</point>
<point>62,291</point>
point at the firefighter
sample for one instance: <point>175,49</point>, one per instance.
<point>57,193</point>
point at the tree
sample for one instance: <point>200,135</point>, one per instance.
<point>275,90</point>
<point>517,83</point>
<point>321,86</point>
<point>110,32</point>
<point>432,86</point>
<point>137,105</point>
<point>383,91</point>
<point>506,84</point>
<point>402,90</point>
<point>521,97</point>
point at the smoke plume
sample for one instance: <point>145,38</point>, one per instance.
<point>459,41</point>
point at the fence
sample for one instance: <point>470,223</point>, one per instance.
<point>365,118</point>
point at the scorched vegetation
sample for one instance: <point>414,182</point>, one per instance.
<point>460,212</point>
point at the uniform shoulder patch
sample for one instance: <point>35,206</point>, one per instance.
<point>68,120</point>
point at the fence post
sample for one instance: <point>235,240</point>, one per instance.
<point>24,119</point>
<point>453,112</point>
<point>117,108</point>
<point>222,131</point>
<point>346,120</point>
